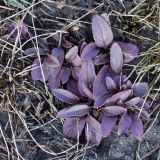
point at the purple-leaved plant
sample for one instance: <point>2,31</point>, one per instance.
<point>104,98</point>
<point>96,98</point>
<point>116,96</point>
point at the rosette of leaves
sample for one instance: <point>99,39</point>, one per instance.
<point>117,97</point>
<point>102,99</point>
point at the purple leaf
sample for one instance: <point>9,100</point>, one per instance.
<point>128,84</point>
<point>74,111</point>
<point>93,131</point>
<point>36,71</point>
<point>119,80</point>
<point>113,110</point>
<point>65,74</point>
<point>52,65</point>
<point>11,28</point>
<point>72,127</point>
<point>33,52</point>
<point>110,84</point>
<point>116,57</point>
<point>86,76</point>
<point>75,72</point>
<point>89,51</point>
<point>140,89</point>
<point>72,86</point>
<point>100,101</point>
<point>73,57</point>
<point>101,59</point>
<point>123,95</point>
<point>102,32</point>
<point>87,72</point>
<point>132,102</point>
<point>85,91</point>
<point>120,103</point>
<point>50,62</point>
<point>59,54</point>
<point>130,51</point>
<point>54,82</point>
<point>22,29</point>
<point>106,18</point>
<point>124,123</point>
<point>65,96</point>
<point>145,115</point>
<point>108,123</point>
<point>136,128</point>
<point>143,104</point>
<point>99,84</point>
<point>82,46</point>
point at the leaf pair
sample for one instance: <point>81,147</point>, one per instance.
<point>128,122</point>
<point>109,118</point>
<point>79,62</point>
<point>73,128</point>
<point>81,87</point>
<point>132,123</point>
